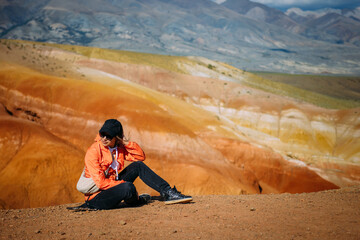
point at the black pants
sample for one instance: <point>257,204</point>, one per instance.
<point>111,197</point>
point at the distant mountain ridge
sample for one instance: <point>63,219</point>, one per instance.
<point>332,25</point>
<point>352,13</point>
<point>261,38</point>
<point>329,25</point>
<point>261,12</point>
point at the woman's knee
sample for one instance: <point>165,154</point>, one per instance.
<point>138,163</point>
<point>127,187</point>
<point>123,190</point>
<point>129,193</point>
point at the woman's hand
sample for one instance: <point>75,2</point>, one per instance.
<point>123,142</point>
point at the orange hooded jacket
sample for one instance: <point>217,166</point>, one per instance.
<point>98,159</point>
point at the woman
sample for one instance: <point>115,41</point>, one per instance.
<point>104,164</point>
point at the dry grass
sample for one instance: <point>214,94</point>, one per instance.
<point>333,92</point>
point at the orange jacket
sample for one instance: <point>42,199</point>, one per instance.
<point>98,159</point>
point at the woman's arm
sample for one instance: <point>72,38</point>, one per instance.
<point>133,152</point>
<point>95,171</point>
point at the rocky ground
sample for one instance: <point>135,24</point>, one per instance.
<point>333,214</point>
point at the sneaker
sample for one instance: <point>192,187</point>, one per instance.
<point>174,196</point>
<point>82,208</point>
<point>144,198</point>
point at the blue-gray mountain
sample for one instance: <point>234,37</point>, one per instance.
<point>247,35</point>
<point>329,25</point>
<point>332,25</point>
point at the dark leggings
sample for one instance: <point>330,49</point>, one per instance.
<point>112,197</point>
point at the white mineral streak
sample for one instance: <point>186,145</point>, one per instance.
<point>292,132</point>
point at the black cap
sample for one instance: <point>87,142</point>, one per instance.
<point>112,127</point>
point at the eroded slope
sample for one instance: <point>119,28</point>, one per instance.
<point>203,129</point>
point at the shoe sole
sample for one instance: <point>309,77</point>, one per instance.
<point>183,200</point>
<point>82,209</point>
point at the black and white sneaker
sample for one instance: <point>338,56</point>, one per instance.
<point>82,208</point>
<point>137,201</point>
<point>174,196</point>
<point>144,198</point>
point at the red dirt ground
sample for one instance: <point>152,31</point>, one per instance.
<point>332,214</point>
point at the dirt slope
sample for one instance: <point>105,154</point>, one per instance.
<point>333,214</point>
<point>203,125</point>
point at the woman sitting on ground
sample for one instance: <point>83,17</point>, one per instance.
<point>104,164</point>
